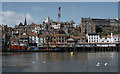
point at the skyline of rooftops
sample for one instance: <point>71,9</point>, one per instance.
<point>38,11</point>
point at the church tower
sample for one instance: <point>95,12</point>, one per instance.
<point>25,22</point>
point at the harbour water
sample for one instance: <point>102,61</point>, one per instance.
<point>60,62</point>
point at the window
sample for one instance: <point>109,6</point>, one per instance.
<point>29,41</point>
<point>59,40</point>
<point>32,41</point>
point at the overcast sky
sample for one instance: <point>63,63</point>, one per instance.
<point>15,12</point>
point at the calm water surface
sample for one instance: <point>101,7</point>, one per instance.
<point>60,62</point>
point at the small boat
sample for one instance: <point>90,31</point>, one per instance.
<point>17,47</point>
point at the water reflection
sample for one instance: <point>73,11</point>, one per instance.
<point>103,62</point>
<point>60,62</point>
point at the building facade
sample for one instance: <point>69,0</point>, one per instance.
<point>93,38</point>
<point>42,40</point>
<point>96,38</point>
<point>87,26</point>
<point>33,39</point>
<point>92,25</point>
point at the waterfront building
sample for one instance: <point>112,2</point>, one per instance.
<point>63,34</point>
<point>96,38</point>
<point>93,38</point>
<point>57,39</point>
<point>42,40</point>
<point>106,39</point>
<point>4,40</point>
<point>23,39</point>
<point>116,38</point>
<point>33,39</point>
<point>79,39</point>
<point>6,33</point>
<point>110,38</point>
<point>71,42</point>
<point>14,40</point>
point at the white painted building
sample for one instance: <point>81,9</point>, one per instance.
<point>116,38</point>
<point>70,42</point>
<point>33,38</point>
<point>48,20</point>
<point>56,26</point>
<point>93,38</point>
<point>108,40</point>
<point>23,38</point>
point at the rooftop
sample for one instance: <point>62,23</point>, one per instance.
<point>23,36</point>
<point>33,34</point>
<point>78,37</point>
<point>57,35</point>
<point>70,39</point>
<point>93,34</point>
<point>42,35</point>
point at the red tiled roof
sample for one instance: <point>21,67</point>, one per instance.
<point>116,35</point>
<point>42,36</point>
<point>59,43</point>
<point>23,36</point>
<point>56,35</point>
<point>100,43</point>
<point>33,25</point>
<point>78,37</point>
<point>14,39</point>
<point>33,34</point>
<point>106,36</point>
